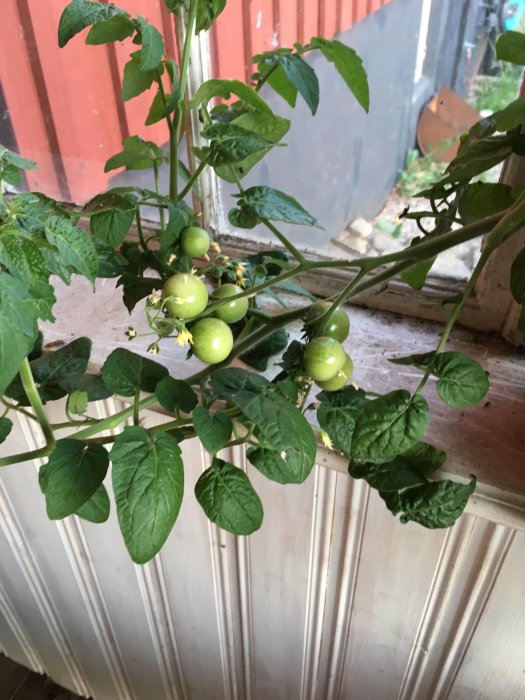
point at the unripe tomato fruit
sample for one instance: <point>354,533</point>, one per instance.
<point>189,295</point>
<point>323,358</point>
<point>194,241</point>
<point>340,378</point>
<point>212,340</point>
<point>338,325</point>
<point>235,309</point>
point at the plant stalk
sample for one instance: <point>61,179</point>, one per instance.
<point>36,402</point>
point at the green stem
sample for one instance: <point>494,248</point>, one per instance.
<point>136,407</point>
<point>157,190</point>
<point>454,315</point>
<point>140,232</point>
<point>286,243</point>
<point>26,456</point>
<point>192,179</point>
<point>36,402</point>
<point>266,77</point>
<point>12,407</point>
<point>183,75</point>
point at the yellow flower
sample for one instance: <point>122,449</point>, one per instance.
<point>155,297</point>
<point>325,438</point>
<point>184,337</point>
<point>239,270</point>
<point>215,246</point>
<point>131,333</point>
<point>172,258</point>
<point>153,348</point>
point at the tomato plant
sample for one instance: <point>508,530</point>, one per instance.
<point>337,325</point>
<point>185,295</point>
<point>340,378</point>
<point>323,358</point>
<point>194,241</point>
<point>212,340</point>
<point>41,240</point>
<point>235,309</point>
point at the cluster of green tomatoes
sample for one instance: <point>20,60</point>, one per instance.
<point>185,296</point>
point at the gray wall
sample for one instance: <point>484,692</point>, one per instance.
<point>342,163</point>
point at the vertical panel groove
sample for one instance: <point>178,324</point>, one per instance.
<point>36,583</point>
<point>492,555</point>
<point>20,634</point>
<point>152,583</point>
<point>86,577</point>
<point>320,541</point>
<point>450,557</point>
<point>355,513</point>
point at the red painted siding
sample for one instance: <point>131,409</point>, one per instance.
<point>64,104</point>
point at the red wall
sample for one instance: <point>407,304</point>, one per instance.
<point>64,105</point>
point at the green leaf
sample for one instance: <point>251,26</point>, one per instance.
<point>75,247</point>
<point>213,429</point>
<point>96,509</point>
<point>24,260</point>
<point>225,88</point>
<point>517,278</point>
<point>243,218</point>
<point>8,157</point>
<point>116,28</point>
<point>279,82</point>
<point>404,471</point>
<point>389,425</point>
<point>207,13</point>
<point>477,157</point>
<point>268,203</point>
<point>228,498</point>
<point>231,144</point>
<point>77,402</point>
<point>337,414</point>
<point>62,365</point>
<point>136,81</point>
<point>173,394</point>
<point>259,355</point>
<point>287,446</point>
<point>91,384</point>
<point>511,116</point>
<point>269,127</point>
<point>484,199</point>
<point>232,380</point>
<point>391,476</point>
<point>510,47</point>
<point>159,110</point>
<point>5,428</point>
<point>137,155</point>
<point>462,382</point>
<point>18,328</point>
<point>348,65</point>
<point>124,372</point>
<point>416,275</point>
<point>137,289</point>
<point>434,505</point>
<point>110,262</point>
<point>73,473</point>
<point>152,46</point>
<point>80,14</point>
<point>112,226</point>
<point>174,5</point>
<point>303,78</point>
<point>148,483</point>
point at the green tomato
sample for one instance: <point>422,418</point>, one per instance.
<point>212,340</point>
<point>235,309</point>
<point>323,358</point>
<point>194,241</point>
<point>338,325</point>
<point>188,293</point>
<point>340,378</point>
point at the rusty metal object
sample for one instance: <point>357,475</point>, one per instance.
<point>443,120</point>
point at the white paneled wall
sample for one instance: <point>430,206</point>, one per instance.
<point>332,598</point>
